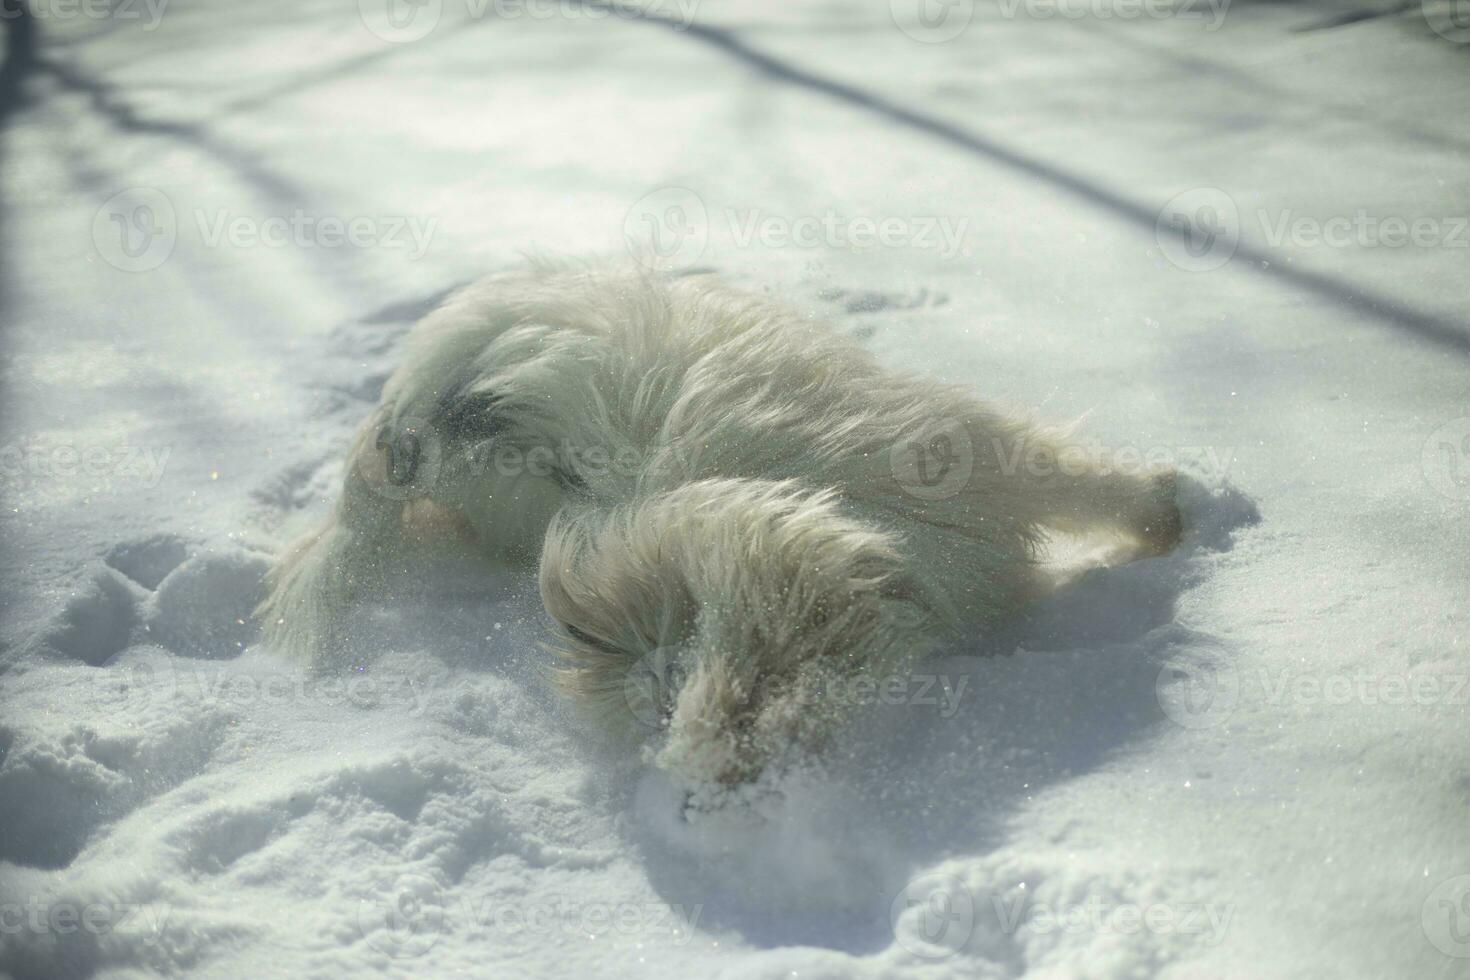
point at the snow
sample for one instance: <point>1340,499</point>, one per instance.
<point>177,799</point>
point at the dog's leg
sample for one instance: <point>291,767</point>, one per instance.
<point>1077,493</point>
<point>316,580</point>
<point>731,616</point>
<point>406,495</point>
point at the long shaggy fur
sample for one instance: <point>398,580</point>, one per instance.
<point>716,504</point>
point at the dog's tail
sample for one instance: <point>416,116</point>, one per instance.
<point>706,611</point>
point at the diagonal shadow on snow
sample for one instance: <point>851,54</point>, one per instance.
<point>1444,332</point>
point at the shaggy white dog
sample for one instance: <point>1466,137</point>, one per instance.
<point>733,508</point>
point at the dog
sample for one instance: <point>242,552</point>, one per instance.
<point>733,508</point>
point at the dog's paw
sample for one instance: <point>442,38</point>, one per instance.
<point>1215,510</point>
<point>1161,524</point>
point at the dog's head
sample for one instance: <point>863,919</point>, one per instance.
<point>726,618</point>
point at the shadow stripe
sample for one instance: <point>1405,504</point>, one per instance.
<point>1441,331</point>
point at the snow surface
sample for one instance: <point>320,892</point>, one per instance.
<point>1248,759</point>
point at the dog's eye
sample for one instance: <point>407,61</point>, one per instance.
<point>568,480</point>
<point>469,417</point>
<point>587,639</point>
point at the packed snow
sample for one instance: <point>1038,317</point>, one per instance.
<point>1228,236</point>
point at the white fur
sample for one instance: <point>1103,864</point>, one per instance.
<point>751,537</point>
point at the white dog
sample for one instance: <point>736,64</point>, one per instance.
<point>732,506</point>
